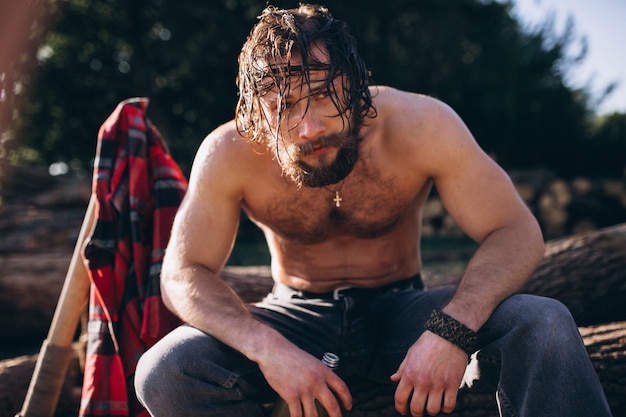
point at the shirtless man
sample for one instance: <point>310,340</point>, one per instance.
<point>336,172</point>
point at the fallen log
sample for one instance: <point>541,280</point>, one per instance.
<point>29,290</point>
<point>586,272</point>
<point>606,344</point>
<point>15,376</point>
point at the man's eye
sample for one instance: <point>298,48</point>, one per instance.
<point>287,105</point>
<point>323,94</point>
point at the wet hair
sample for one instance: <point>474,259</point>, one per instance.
<point>264,65</point>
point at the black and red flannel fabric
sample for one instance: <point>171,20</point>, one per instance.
<point>138,188</point>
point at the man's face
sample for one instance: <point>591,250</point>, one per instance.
<point>316,144</point>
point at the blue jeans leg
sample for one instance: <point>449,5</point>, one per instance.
<point>534,356</point>
<point>531,354</point>
<point>177,377</point>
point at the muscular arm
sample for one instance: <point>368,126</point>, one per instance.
<point>483,202</point>
<point>201,241</point>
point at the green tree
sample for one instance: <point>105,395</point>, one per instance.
<point>607,146</point>
<point>182,55</point>
<point>505,81</point>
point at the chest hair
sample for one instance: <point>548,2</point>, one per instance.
<point>369,208</point>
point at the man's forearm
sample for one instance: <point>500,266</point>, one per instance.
<point>203,300</point>
<point>499,268</point>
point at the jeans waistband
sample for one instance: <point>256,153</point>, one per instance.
<point>415,282</point>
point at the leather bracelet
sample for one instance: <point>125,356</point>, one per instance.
<point>452,330</point>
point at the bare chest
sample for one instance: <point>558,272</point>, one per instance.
<point>363,208</point>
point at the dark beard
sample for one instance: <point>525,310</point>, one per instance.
<point>323,174</point>
<point>339,169</point>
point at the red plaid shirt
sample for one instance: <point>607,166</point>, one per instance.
<point>138,188</point>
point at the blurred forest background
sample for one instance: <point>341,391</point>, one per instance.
<point>77,59</point>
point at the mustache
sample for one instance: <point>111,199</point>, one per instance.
<point>328,141</point>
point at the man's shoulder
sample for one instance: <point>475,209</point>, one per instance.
<point>226,155</point>
<point>394,102</point>
<point>224,134</point>
<point>225,141</point>
<point>410,119</point>
<point>224,148</point>
<point>416,129</point>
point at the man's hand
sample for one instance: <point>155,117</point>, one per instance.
<point>429,377</point>
<point>300,379</point>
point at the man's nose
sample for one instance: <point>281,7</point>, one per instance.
<point>311,126</point>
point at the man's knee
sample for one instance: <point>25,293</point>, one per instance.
<point>533,307</point>
<point>539,317</point>
<point>190,364</point>
<point>155,367</point>
<point>167,365</point>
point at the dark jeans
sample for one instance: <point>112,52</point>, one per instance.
<point>531,354</point>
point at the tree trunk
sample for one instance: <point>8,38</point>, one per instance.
<point>606,344</point>
<point>15,376</point>
<point>29,290</point>
<point>586,272</point>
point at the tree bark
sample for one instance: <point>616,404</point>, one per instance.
<point>586,272</point>
<point>606,344</point>
<point>30,286</point>
<point>15,376</point>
